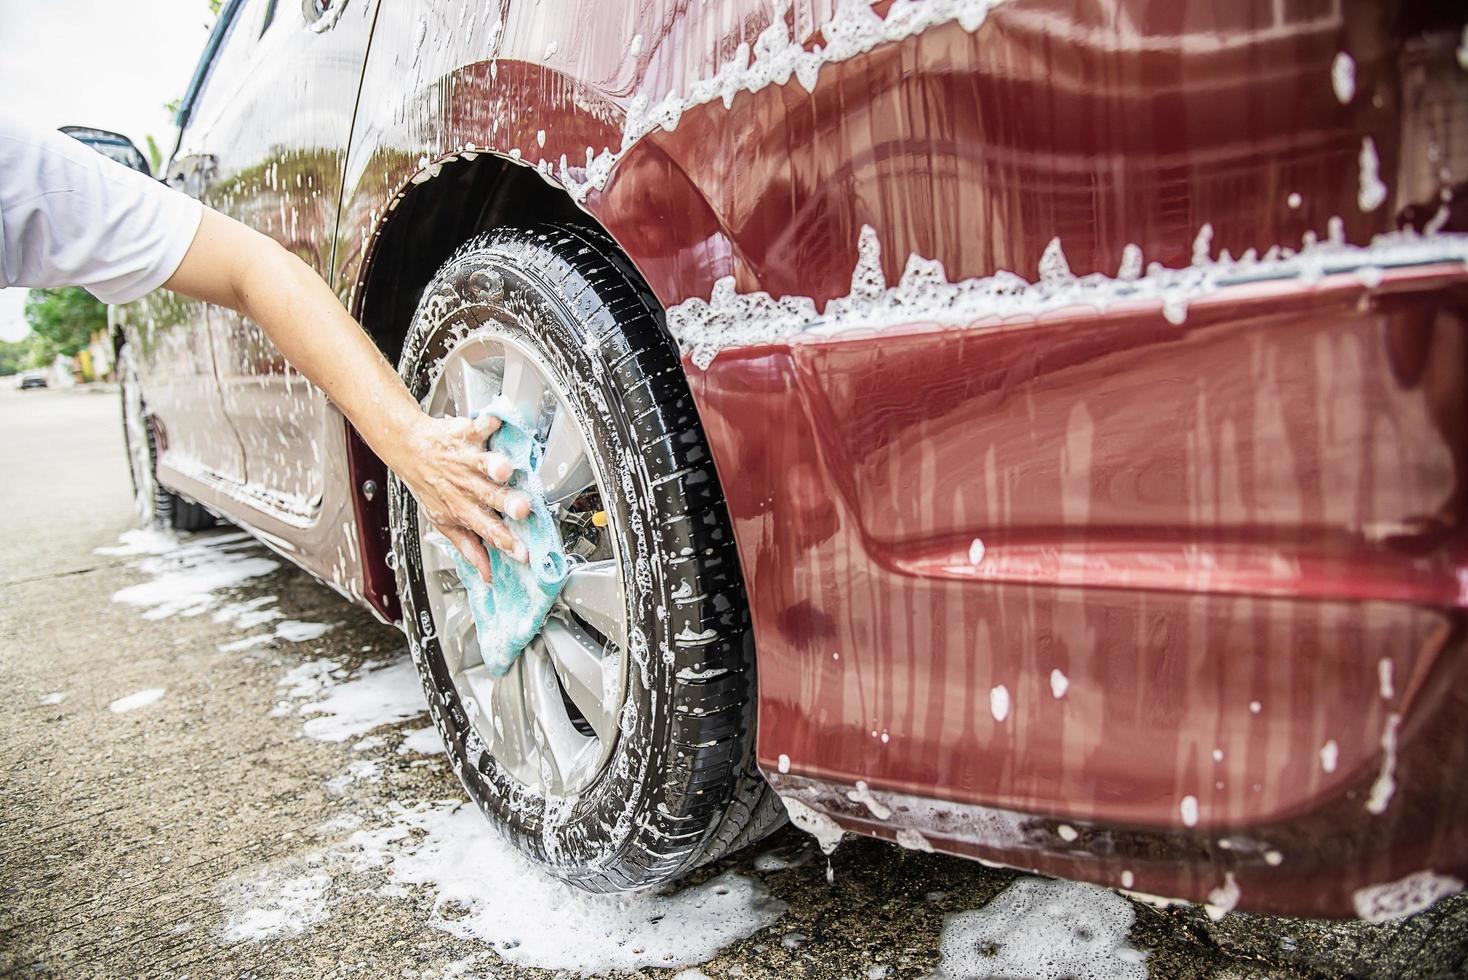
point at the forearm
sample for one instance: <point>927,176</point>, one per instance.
<point>443,461</point>
<point>304,319</point>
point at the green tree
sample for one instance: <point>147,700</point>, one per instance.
<point>64,319</point>
<point>15,355</point>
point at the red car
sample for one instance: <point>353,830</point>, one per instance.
<point>1031,430</point>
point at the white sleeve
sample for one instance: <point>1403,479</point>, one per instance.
<point>71,217</point>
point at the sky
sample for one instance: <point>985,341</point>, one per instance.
<point>111,64</point>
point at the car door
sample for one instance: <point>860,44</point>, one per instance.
<point>271,129</point>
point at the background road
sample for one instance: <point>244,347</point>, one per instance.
<point>195,780</point>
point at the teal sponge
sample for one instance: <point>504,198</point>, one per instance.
<point>510,610</point>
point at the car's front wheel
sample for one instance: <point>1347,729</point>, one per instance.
<point>617,751</point>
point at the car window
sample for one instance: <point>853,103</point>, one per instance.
<point>231,62</point>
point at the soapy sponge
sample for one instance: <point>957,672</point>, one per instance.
<point>510,610</point>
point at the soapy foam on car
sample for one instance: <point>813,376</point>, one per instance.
<point>923,294</point>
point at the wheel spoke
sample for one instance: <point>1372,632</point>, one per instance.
<point>459,642</point>
<point>478,389</point>
<point>434,548</point>
<point>476,683</point>
<point>593,591</point>
<point>565,466</point>
<point>514,743</point>
<point>439,400</point>
<point>561,744</point>
<point>579,663</point>
<point>522,386</point>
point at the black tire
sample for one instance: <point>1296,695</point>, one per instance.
<point>680,787</point>
<point>157,506</point>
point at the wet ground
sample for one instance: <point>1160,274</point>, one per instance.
<point>214,767</point>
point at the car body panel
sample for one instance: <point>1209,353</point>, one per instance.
<point>1214,511</point>
<point>265,142</point>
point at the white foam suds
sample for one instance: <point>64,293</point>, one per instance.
<point>138,699</point>
<point>185,577</point>
<point>1386,784</point>
<point>269,906</point>
<point>776,57</point>
<point>373,698</point>
<point>422,741</point>
<point>863,794</point>
<point>1343,77</point>
<point>730,319</point>
<point>853,29</point>
<point>999,702</point>
<point>310,679</point>
<point>1330,755</point>
<point>249,613</point>
<point>484,890</point>
<point>1373,192</point>
<point>1131,262</point>
<point>295,631</point>
<point>360,771</point>
<point>914,840</point>
<point>1407,896</point>
<point>826,831</point>
<point>1384,678</point>
<point>783,763</point>
<point>1043,930</point>
<point>290,630</point>
<point>142,541</point>
<point>1221,900</point>
<point>1188,808</point>
<point>976,552</point>
<point>1294,201</point>
<point>1059,683</point>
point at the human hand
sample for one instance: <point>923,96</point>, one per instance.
<point>460,485</point>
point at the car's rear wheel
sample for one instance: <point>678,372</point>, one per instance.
<point>156,505</point>
<point>617,751</point>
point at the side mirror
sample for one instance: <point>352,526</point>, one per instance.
<point>112,145</point>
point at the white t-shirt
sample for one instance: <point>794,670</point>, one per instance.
<point>71,217</point>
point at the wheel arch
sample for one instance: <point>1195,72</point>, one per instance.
<point>428,220</point>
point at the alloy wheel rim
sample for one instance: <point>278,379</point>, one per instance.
<point>552,720</point>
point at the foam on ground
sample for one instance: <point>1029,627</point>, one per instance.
<point>1039,929</point>
<point>355,707</point>
<point>186,576</point>
<point>268,907</point>
<point>484,890</point>
<point>138,699</point>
